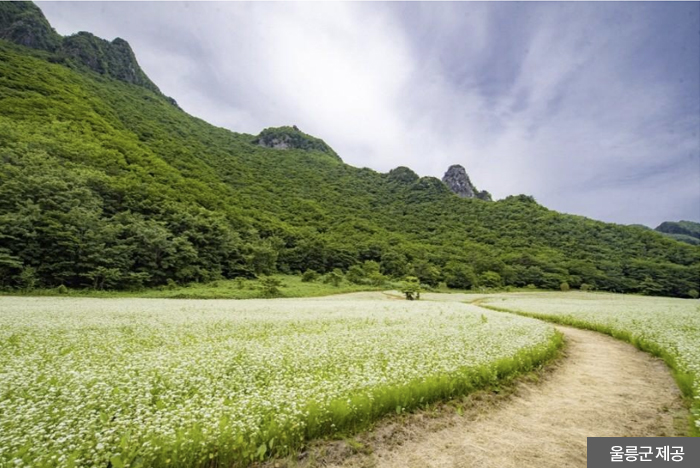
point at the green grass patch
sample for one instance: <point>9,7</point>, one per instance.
<point>292,286</point>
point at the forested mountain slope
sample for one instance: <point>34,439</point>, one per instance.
<point>685,231</point>
<point>105,182</point>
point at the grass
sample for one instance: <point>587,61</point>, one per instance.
<point>292,286</point>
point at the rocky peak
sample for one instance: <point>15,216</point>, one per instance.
<point>24,23</point>
<point>457,180</point>
<point>285,138</point>
<point>115,58</point>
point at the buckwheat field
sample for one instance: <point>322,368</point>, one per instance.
<point>667,327</point>
<point>146,382</point>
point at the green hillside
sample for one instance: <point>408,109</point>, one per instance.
<point>684,231</point>
<point>106,183</point>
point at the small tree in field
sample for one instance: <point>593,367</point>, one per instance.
<point>410,287</point>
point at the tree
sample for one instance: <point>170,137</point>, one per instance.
<point>102,277</point>
<point>376,279</point>
<point>394,263</point>
<point>411,288</point>
<point>459,276</point>
<point>649,287</point>
<point>426,272</point>
<point>490,279</point>
<point>367,273</point>
<point>335,277</point>
<point>355,274</point>
<point>27,278</point>
<point>270,285</point>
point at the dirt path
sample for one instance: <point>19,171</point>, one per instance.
<point>603,387</point>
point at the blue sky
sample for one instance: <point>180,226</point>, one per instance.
<point>592,108</point>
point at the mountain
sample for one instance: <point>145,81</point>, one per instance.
<point>684,231</point>
<point>105,183</point>
<point>23,23</point>
<point>457,180</point>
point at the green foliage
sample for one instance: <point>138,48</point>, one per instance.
<point>334,277</point>
<point>490,279</point>
<point>649,287</point>
<point>28,279</point>
<point>270,286</point>
<point>24,23</point>
<point>459,276</point>
<point>355,274</point>
<point>585,287</point>
<point>426,272</point>
<point>105,184</point>
<point>309,276</point>
<point>686,231</point>
<point>693,293</point>
<point>411,288</point>
<point>564,286</point>
<point>376,279</point>
<point>367,273</point>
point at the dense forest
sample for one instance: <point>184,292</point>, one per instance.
<point>107,183</point>
<point>684,231</point>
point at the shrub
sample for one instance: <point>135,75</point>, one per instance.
<point>355,274</point>
<point>309,276</point>
<point>62,289</point>
<point>376,279</point>
<point>335,277</point>
<point>564,286</point>
<point>270,285</point>
<point>585,287</point>
<point>693,293</point>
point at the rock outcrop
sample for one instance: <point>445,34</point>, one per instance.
<point>285,138</point>
<point>457,180</point>
<point>115,59</point>
<point>23,23</point>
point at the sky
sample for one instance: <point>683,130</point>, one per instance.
<point>592,108</point>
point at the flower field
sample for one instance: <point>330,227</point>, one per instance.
<point>666,327</point>
<point>152,382</point>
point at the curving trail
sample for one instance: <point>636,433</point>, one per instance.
<point>602,387</point>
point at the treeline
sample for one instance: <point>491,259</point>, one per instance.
<point>65,225</point>
<point>104,184</point>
